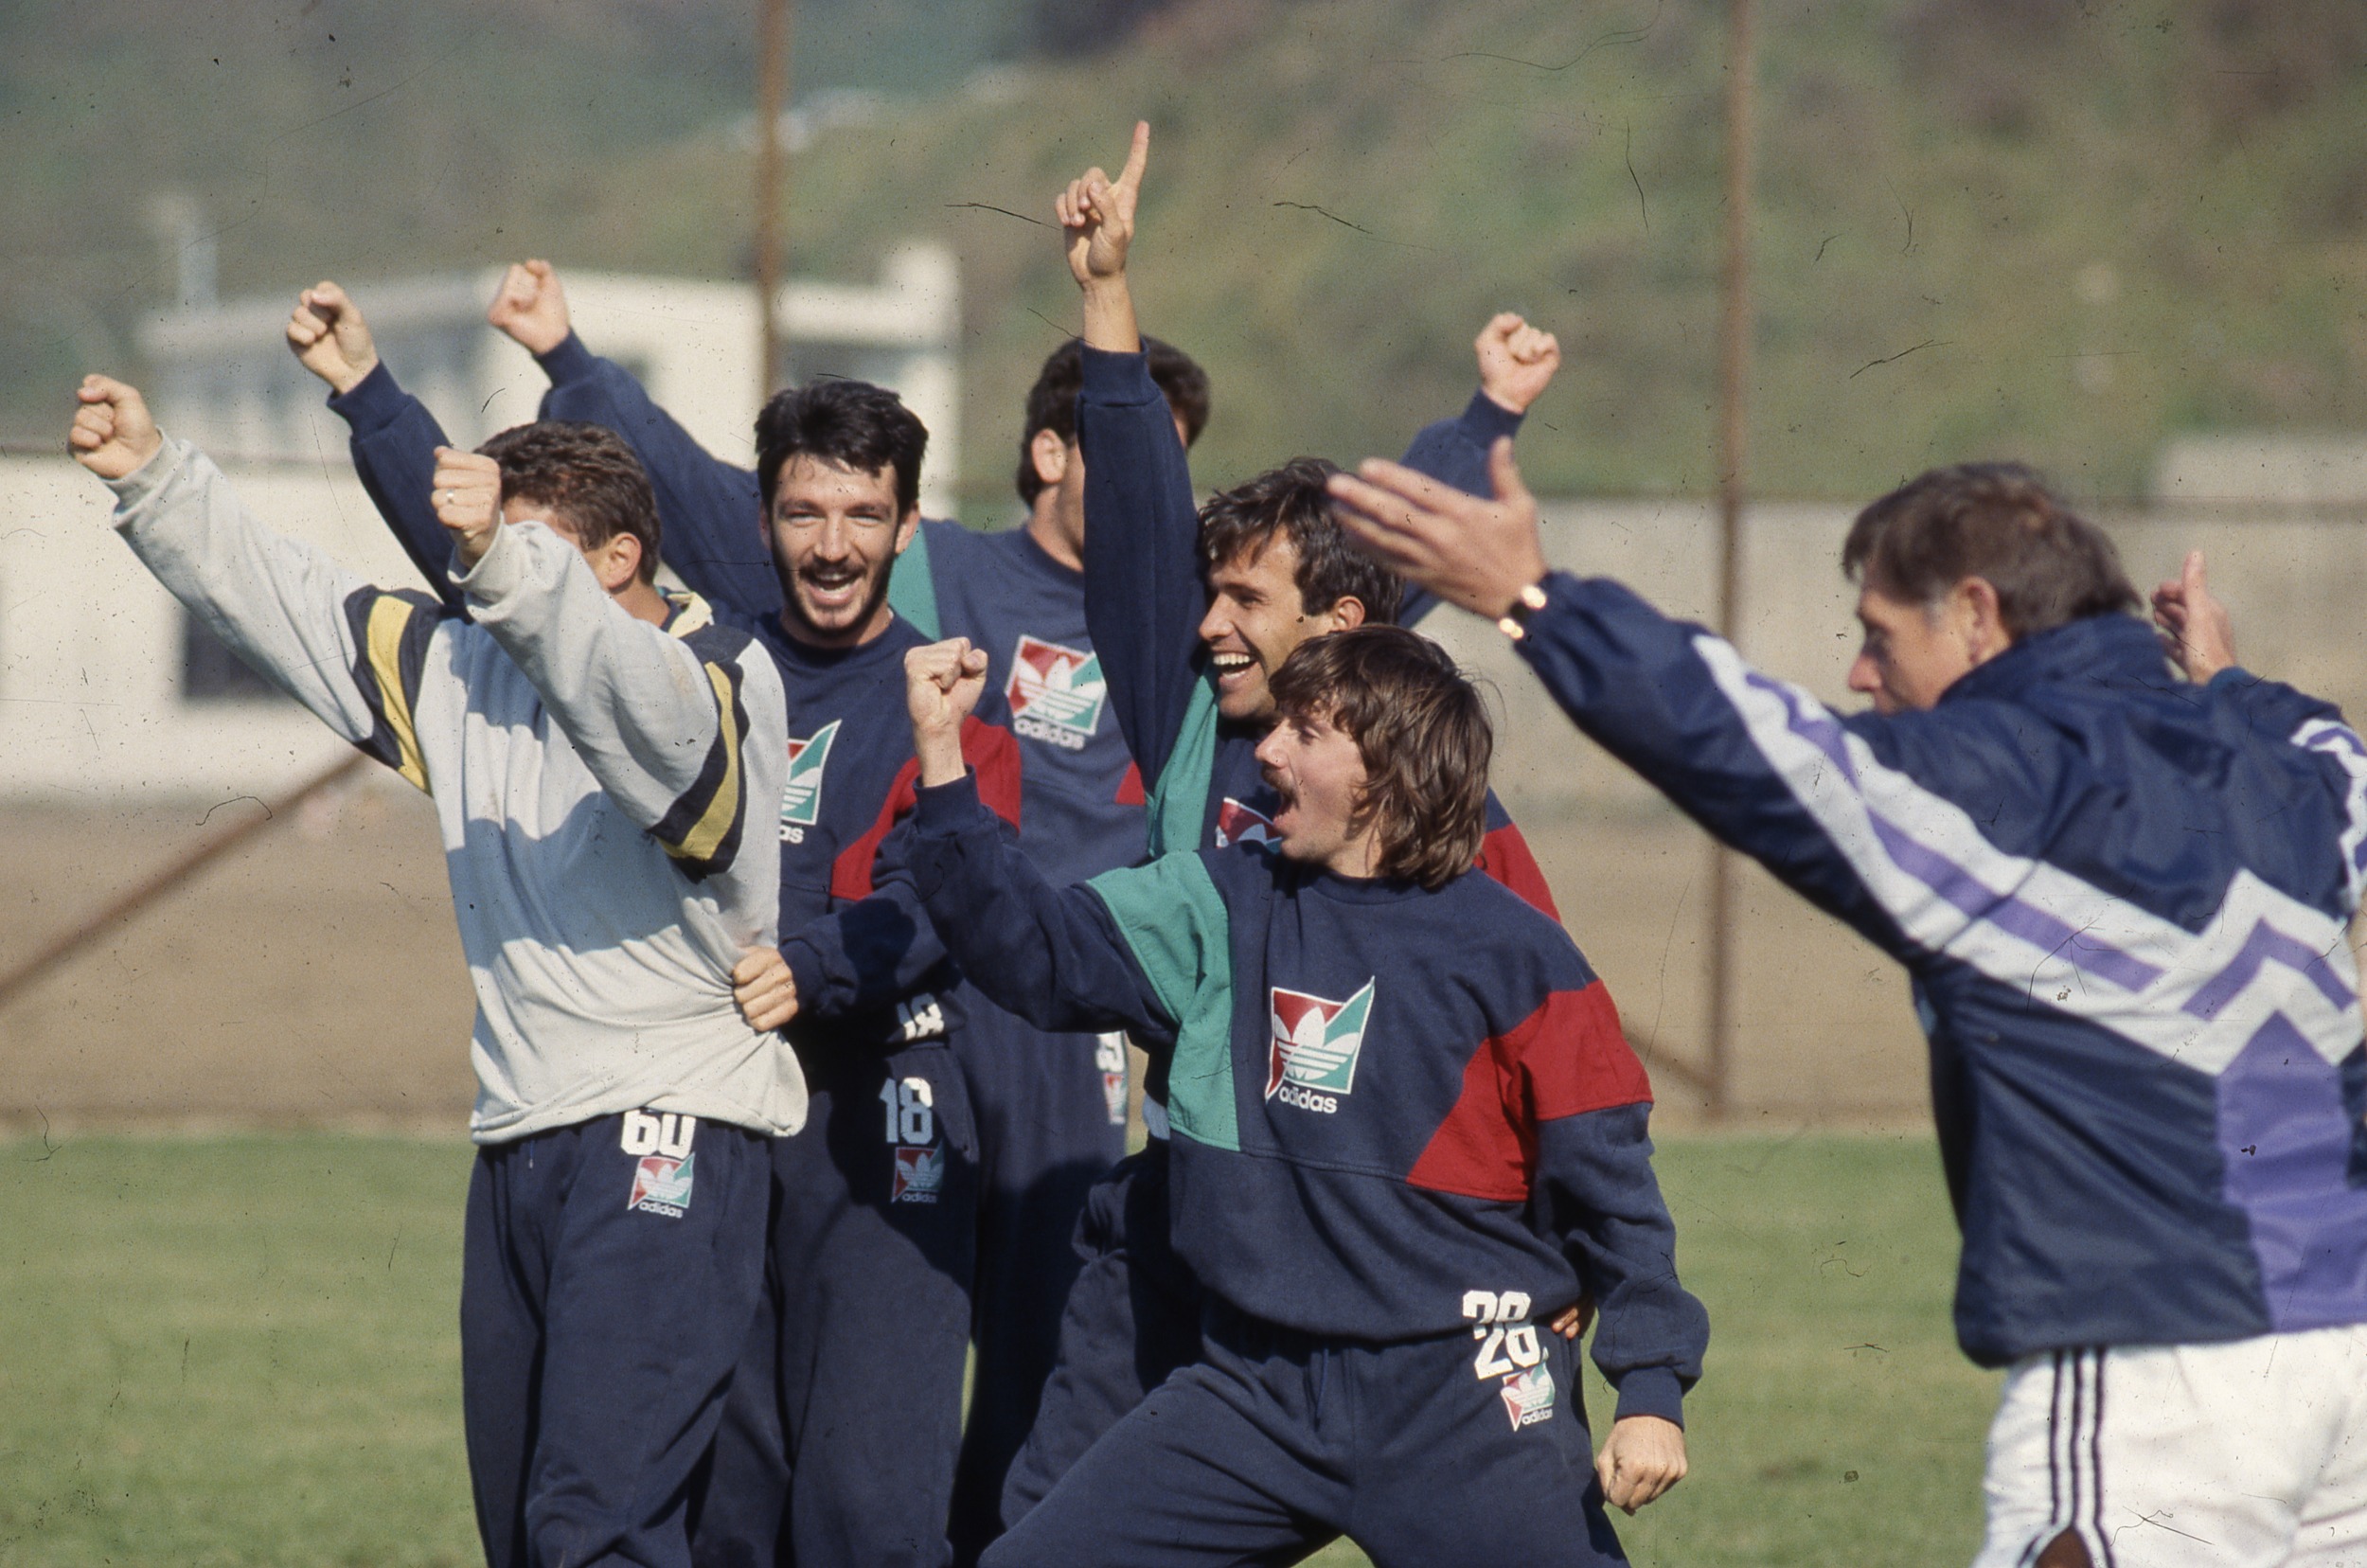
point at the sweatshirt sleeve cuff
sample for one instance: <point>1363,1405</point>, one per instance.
<point>944,810</point>
<point>569,363</point>
<point>1651,1391</point>
<point>143,482</point>
<point>1117,378</point>
<point>805,971</point>
<point>371,403</point>
<point>499,572</point>
<point>1484,419</point>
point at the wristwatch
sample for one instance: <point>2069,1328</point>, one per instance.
<point>1515,622</point>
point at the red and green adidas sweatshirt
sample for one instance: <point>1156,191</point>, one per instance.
<point>1389,1102</point>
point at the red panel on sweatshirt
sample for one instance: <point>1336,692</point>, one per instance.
<point>991,754</point>
<point>1564,1059</point>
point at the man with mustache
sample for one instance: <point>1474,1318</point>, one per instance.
<point>1051,1111</point>
<point>1407,1131</point>
<point>1193,609</point>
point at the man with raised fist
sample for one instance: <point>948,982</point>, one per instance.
<point>875,1225</point>
<point>1050,1112</point>
<point>1193,607</point>
<point>590,745</point>
<point>1408,1134</point>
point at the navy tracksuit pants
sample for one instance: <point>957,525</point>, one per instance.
<point>838,1442</point>
<point>610,1273</point>
<point>1051,1112</point>
<point>1277,1442</point>
<point>1132,1319</point>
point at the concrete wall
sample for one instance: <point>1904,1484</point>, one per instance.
<point>91,710</point>
<point>299,948</point>
<point>2296,583</point>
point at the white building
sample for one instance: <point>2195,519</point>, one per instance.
<point>107,690</point>
<point>225,376</point>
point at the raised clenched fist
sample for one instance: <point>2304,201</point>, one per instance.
<point>1516,362</point>
<point>330,338</point>
<point>468,501</point>
<point>530,307</point>
<point>113,435</point>
<point>942,684</point>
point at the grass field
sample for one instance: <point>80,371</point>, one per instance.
<point>243,1350</point>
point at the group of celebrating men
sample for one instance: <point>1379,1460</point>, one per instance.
<point>767,1148</point>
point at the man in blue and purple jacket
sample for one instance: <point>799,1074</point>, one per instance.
<point>1407,1131</point>
<point>2122,900</point>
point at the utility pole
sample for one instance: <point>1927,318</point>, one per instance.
<point>772,99</point>
<point>1733,390</point>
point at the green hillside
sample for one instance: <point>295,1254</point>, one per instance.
<point>2058,230</point>
<point>2068,230</point>
<point>371,137</point>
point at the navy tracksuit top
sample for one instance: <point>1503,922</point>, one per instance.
<point>866,962</point>
<point>1396,1111</point>
<point>1145,600</point>
<point>1083,811</point>
<point>2123,899</point>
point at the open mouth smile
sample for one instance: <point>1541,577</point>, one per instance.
<point>1232,668</point>
<point>831,587</point>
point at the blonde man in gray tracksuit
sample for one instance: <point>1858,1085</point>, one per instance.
<point>590,745</point>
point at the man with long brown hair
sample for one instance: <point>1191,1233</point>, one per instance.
<point>1382,1232</point>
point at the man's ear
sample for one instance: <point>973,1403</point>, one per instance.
<point>905,528</point>
<point>1346,612</point>
<point>1050,457</point>
<point>618,563</point>
<point>1985,620</point>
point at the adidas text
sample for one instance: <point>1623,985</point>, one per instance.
<point>1036,729</point>
<point>1306,1099</point>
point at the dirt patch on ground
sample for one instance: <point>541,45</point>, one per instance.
<point>313,975</point>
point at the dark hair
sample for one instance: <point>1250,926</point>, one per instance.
<point>586,475</point>
<point>1291,501</point>
<point>1424,736</point>
<point>1997,522</point>
<point>1052,402</point>
<point>851,423</point>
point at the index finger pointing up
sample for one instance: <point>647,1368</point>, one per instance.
<point>1137,158</point>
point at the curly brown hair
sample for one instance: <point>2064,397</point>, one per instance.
<point>1293,501</point>
<point>587,476</point>
<point>1423,734</point>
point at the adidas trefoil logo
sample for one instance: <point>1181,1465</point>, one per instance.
<point>1310,1059</point>
<point>801,797</point>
